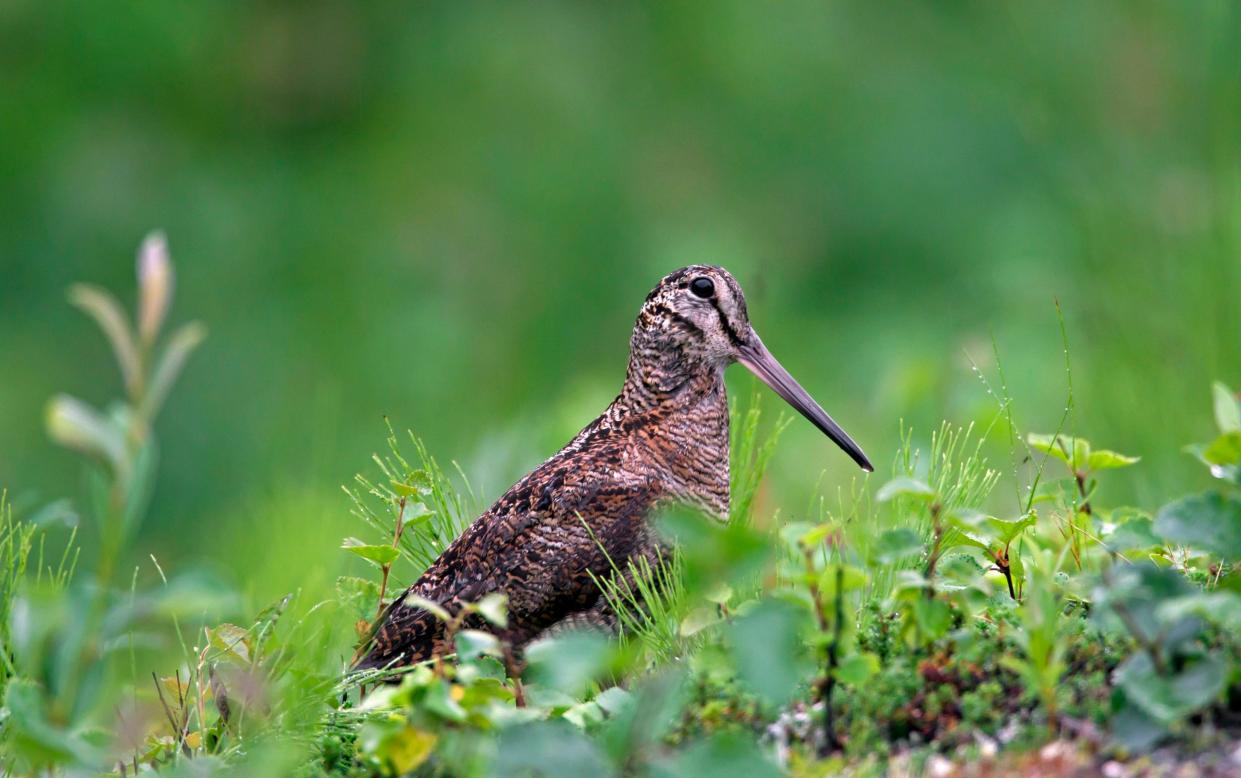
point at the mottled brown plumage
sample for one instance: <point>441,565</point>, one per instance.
<point>664,439</point>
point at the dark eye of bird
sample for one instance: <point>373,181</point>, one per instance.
<point>702,287</point>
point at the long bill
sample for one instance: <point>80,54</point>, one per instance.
<point>759,361</point>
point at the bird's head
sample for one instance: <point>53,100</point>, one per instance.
<point>696,319</point>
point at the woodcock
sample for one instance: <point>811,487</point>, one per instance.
<point>663,440</point>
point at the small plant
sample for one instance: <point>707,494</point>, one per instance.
<point>86,623</point>
<point>1041,663</point>
<point>1083,463</point>
<point>122,439</point>
<point>414,510</point>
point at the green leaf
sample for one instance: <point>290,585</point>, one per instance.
<point>412,491</point>
<point>180,346</point>
<point>1209,522</point>
<point>584,714</point>
<point>439,702</point>
<point>768,651</point>
<point>1219,607</point>
<point>1007,530</point>
<point>1109,460</point>
<point>380,555</point>
<point>905,487</point>
<point>473,643</point>
<point>699,619</point>
<point>1138,589</point>
<point>533,748</point>
<point>909,582</point>
<point>1073,451</point>
<point>1169,699</point>
<point>815,535</point>
<point>1224,450</point>
<point>568,662</point>
<point>108,314</point>
<point>858,668</point>
<point>1135,730</point>
<point>417,514</point>
<point>31,733</point>
<point>1227,408</point>
<point>933,617</point>
<point>722,754</point>
<point>897,545</point>
<point>494,608</point>
<point>989,532</point>
<point>614,700</point>
<point>74,424</point>
<point>422,603</point>
<point>713,553</point>
<point>851,578</point>
<point>232,641</point>
<point>397,746</point>
<point>720,594</point>
<point>1134,535</point>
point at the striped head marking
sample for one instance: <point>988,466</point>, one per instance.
<point>694,320</point>
<point>698,311</point>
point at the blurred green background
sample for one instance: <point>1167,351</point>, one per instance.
<point>449,214</point>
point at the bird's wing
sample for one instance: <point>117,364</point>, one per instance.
<point>539,545</point>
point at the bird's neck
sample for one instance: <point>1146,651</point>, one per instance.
<point>682,408</point>
<point>662,379</point>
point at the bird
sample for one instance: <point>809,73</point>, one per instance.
<point>583,513</point>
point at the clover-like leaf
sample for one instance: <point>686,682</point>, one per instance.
<point>406,489</point>
<point>380,555</point>
<point>989,532</point>
<point>1102,459</point>
<point>416,514</point>
<point>1007,530</point>
<point>1071,450</point>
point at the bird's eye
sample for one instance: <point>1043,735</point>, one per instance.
<point>702,287</point>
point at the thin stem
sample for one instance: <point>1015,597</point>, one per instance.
<point>396,539</point>
<point>937,528</point>
<point>827,684</point>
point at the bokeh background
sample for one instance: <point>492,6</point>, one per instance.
<point>449,214</point>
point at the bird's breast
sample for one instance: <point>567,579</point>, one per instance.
<point>689,462</point>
